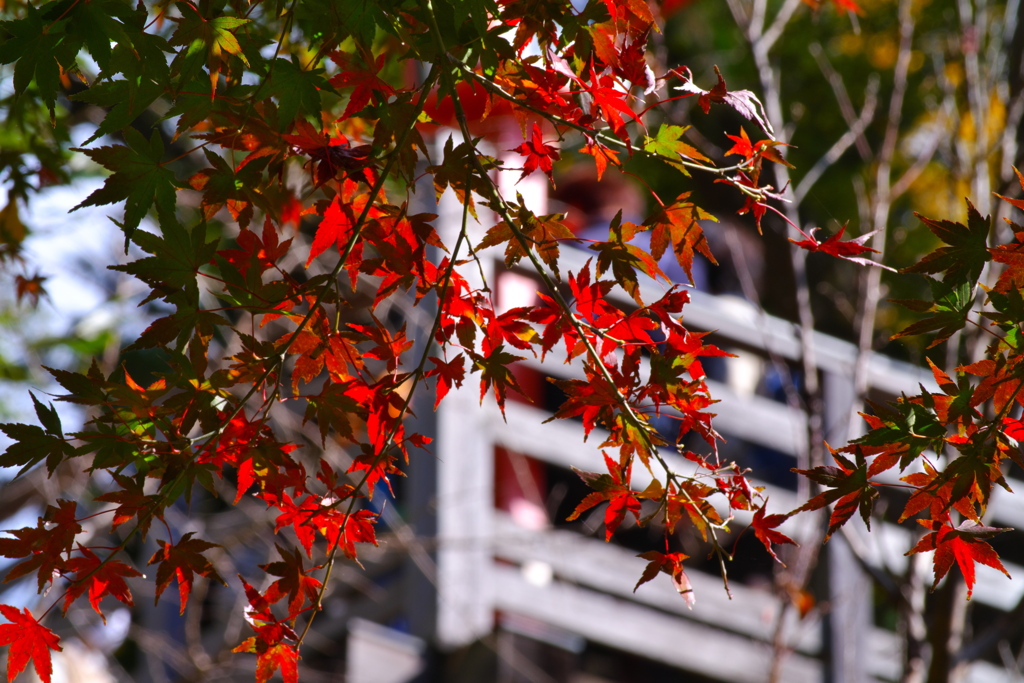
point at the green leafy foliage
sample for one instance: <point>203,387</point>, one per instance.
<point>139,178</point>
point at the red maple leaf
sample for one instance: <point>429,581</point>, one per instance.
<point>590,400</point>
<point>836,246</point>
<point>345,531</point>
<point>840,5</point>
<point>613,488</point>
<point>751,204</point>
<point>101,578</point>
<point>761,148</point>
<point>1013,428</point>
<point>935,494</point>
<point>281,656</point>
<point>557,325</point>
<point>318,347</point>
<point>689,347</point>
<point>389,345</point>
<point>964,544</point>
<point>377,468</point>
<point>538,154</point>
<point>764,529</point>
<point>132,500</point>
<point>309,140</point>
<point>43,545</point>
<point>735,487</point>
<point>742,146</point>
<point>364,79</point>
<point>847,486</point>
<point>512,327</point>
<point>340,219</point>
<point>32,288</point>
<point>610,102</point>
<point>330,156</point>
<point>635,328</point>
<point>183,561</point>
<point>272,653</point>
<point>298,515</point>
<point>264,253</point>
<point>447,373</point>
<point>677,226</point>
<point>295,582</point>
<point>689,498</point>
<point>590,299</point>
<point>632,64</point>
<point>28,640</point>
<point>671,564</point>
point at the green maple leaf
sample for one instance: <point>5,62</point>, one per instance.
<point>476,11</point>
<point>82,389</point>
<point>95,25</point>
<point>34,445</point>
<point>33,43</point>
<point>668,145</point>
<point>174,263</point>
<point>297,91</point>
<point>967,252</point>
<point>212,36</point>
<point>337,21</point>
<point>139,179</point>
<point>949,310</point>
<point>207,41</point>
<point>906,423</point>
<point>124,100</point>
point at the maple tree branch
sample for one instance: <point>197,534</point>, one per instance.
<point>774,31</point>
<point>504,212</point>
<point>842,97</point>
<point>883,196</point>
<point>814,453</point>
<point>416,377</point>
<point>286,29</point>
<point>602,135</point>
<point>628,411</point>
<point>853,134</point>
<point>278,361</point>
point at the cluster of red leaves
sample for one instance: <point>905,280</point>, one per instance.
<point>205,420</point>
<point>960,439</point>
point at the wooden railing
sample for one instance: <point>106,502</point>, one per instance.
<point>487,564</point>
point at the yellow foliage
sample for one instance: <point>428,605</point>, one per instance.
<point>882,52</point>
<point>12,230</point>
